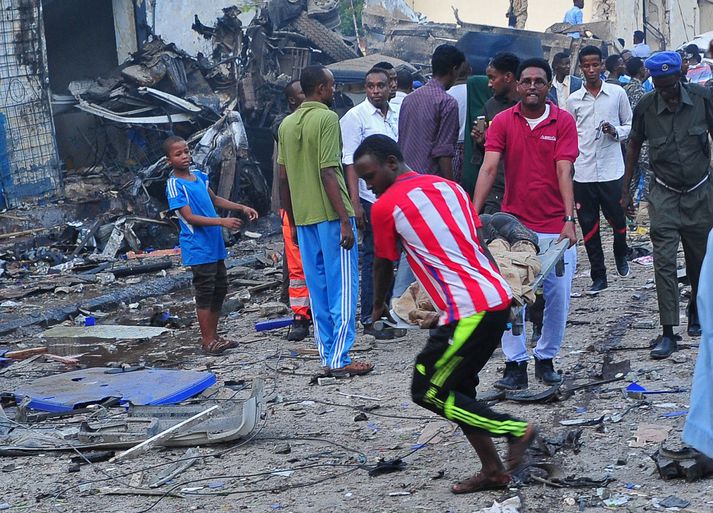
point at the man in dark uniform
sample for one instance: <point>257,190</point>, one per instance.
<point>675,119</point>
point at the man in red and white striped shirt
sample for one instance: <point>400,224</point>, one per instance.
<point>436,225</point>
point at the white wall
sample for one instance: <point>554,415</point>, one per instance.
<point>540,13</point>
<point>173,20</point>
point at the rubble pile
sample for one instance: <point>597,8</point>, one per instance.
<point>162,90</point>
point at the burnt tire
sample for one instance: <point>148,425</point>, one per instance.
<point>250,186</point>
<point>321,37</point>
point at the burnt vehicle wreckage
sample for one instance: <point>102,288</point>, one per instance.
<point>224,104</point>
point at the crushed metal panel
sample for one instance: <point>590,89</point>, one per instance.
<point>29,165</point>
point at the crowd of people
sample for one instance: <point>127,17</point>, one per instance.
<point>377,200</point>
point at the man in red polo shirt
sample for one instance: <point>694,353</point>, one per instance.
<point>434,222</point>
<point>538,142</point>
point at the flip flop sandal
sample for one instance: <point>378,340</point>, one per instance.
<point>217,346</point>
<point>479,483</point>
<point>353,369</point>
<point>232,343</point>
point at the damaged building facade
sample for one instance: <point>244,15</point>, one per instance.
<point>93,86</point>
<point>97,96</point>
<point>668,23</point>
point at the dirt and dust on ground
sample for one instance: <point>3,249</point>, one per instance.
<point>359,443</point>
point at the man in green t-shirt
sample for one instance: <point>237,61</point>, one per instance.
<point>314,193</point>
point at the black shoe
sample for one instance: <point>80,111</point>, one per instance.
<point>536,334</point>
<point>514,377</point>
<point>622,266</point>
<point>665,347</point>
<point>545,372</point>
<point>385,334</point>
<point>598,284</point>
<point>299,329</point>
<point>512,230</point>
<point>694,325</point>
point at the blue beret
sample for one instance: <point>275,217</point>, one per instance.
<point>663,63</point>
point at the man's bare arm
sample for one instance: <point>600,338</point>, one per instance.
<point>633,151</point>
<point>383,277</point>
<point>445,164</point>
<point>331,187</point>
<point>564,179</point>
<point>353,187</point>
<point>486,178</point>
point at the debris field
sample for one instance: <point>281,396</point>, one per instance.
<point>323,445</point>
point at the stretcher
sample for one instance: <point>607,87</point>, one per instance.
<point>551,257</point>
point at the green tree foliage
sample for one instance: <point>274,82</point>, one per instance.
<point>346,16</point>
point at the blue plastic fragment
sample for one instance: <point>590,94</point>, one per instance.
<point>416,447</point>
<point>273,324</point>
<point>70,390</point>
<point>635,387</point>
<point>675,414</point>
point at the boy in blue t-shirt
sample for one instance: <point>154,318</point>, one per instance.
<point>201,238</point>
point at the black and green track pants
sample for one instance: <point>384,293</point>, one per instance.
<point>446,374</point>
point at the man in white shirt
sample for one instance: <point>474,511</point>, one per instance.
<point>404,85</point>
<point>372,116</point>
<point>641,49</point>
<point>603,115</point>
<point>459,91</point>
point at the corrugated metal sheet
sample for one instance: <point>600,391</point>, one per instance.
<point>29,165</point>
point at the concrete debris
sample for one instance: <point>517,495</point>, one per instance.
<point>511,505</point>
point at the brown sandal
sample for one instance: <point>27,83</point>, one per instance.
<point>353,369</point>
<point>218,346</point>
<point>480,482</point>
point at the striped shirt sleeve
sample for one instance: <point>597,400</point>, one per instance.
<point>175,194</point>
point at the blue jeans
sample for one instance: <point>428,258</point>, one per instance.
<point>556,291</point>
<point>404,277</point>
<point>366,259</point>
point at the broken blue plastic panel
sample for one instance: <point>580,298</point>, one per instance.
<point>70,390</point>
<point>273,324</point>
<point>636,388</point>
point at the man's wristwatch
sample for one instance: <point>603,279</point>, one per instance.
<point>569,219</point>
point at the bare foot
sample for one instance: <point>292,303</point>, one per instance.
<point>480,482</point>
<point>518,446</point>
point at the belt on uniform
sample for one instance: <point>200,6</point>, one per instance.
<point>682,191</point>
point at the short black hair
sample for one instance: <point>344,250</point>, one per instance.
<point>377,69</point>
<point>384,65</point>
<point>560,56</point>
<point>612,61</point>
<point>380,147</point>
<point>590,50</point>
<point>288,88</point>
<point>445,58</point>
<point>404,79</point>
<point>170,141</point>
<point>535,62</point>
<point>505,62</point>
<point>639,35</point>
<point>312,77</point>
<point>633,66</point>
